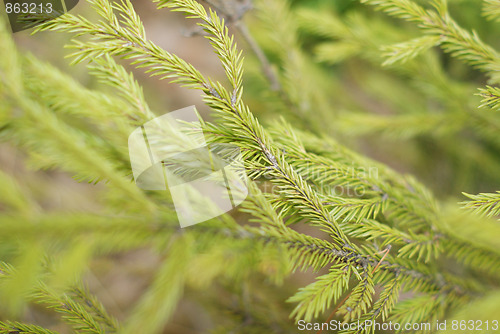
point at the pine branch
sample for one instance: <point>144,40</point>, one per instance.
<point>13,327</point>
<point>491,9</point>
<point>94,306</point>
<point>300,91</point>
<point>318,296</point>
<point>360,299</point>
<point>409,50</point>
<point>491,97</point>
<point>454,39</point>
<point>420,309</point>
<point>406,200</point>
<point>367,34</point>
<point>406,212</point>
<point>485,309</point>
<point>219,37</point>
<point>381,308</point>
<point>127,39</point>
<point>355,210</point>
<point>473,257</point>
<point>125,42</point>
<point>483,204</point>
<point>405,126</point>
<point>73,313</point>
<point>307,251</point>
<point>59,143</point>
<point>55,89</point>
<point>109,72</point>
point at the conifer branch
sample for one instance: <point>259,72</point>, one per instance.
<point>13,327</point>
<point>315,298</point>
<point>491,9</point>
<point>427,307</point>
<point>491,97</point>
<point>360,299</point>
<point>73,313</point>
<point>84,317</point>
<point>483,204</point>
<point>109,72</point>
<point>454,39</point>
<point>381,308</point>
<point>393,212</point>
<point>95,307</point>
<point>409,50</point>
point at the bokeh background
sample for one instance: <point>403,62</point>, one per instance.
<point>419,117</point>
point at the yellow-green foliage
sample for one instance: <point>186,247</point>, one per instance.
<point>378,233</point>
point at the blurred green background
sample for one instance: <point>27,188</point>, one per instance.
<point>419,117</point>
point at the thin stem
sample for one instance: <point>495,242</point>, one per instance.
<point>266,66</point>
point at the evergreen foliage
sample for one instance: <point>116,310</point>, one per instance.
<point>385,246</point>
